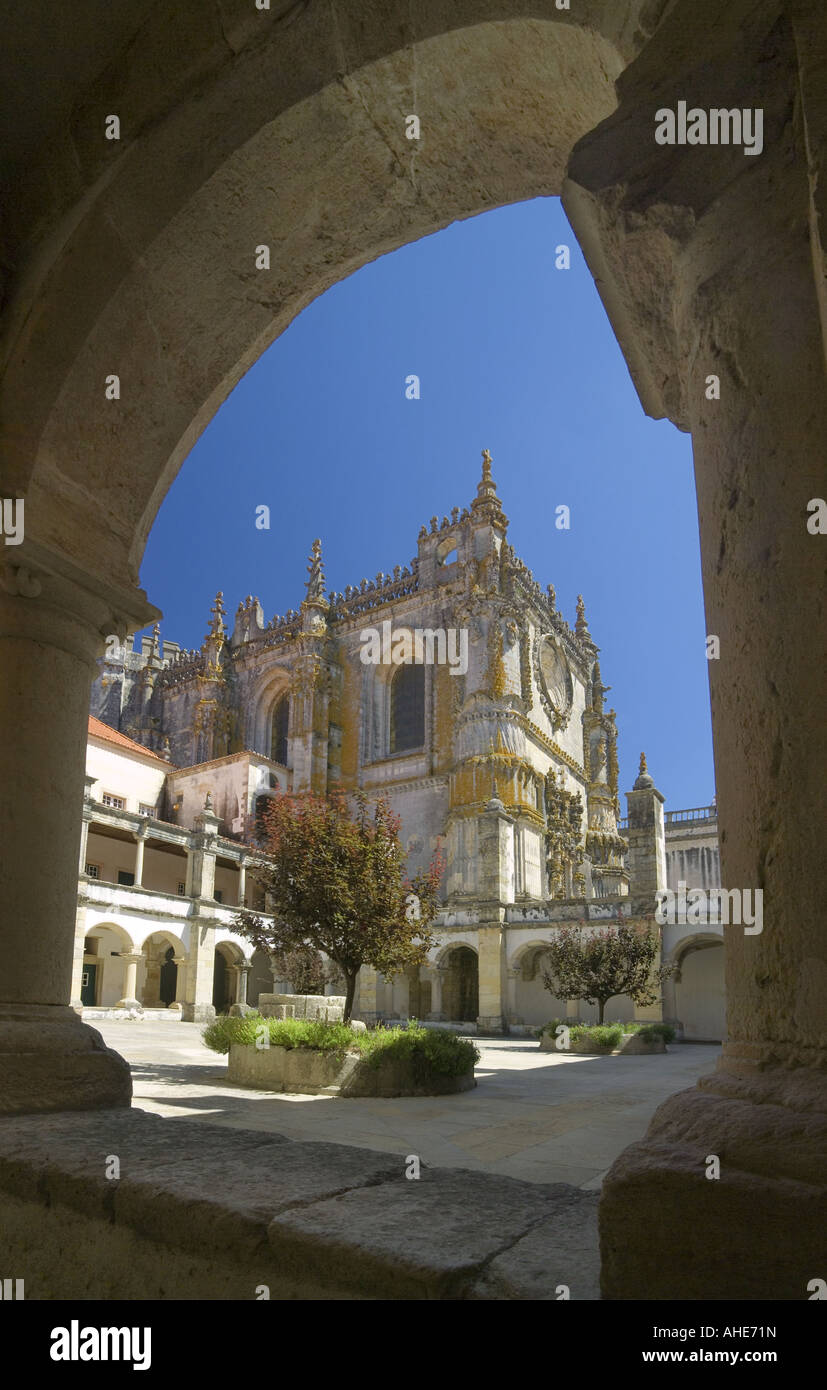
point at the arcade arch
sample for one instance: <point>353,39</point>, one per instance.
<point>107,258</point>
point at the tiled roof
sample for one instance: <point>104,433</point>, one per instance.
<point>100,730</point>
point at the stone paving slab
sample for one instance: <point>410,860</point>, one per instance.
<point>436,1236</point>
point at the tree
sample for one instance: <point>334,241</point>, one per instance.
<point>334,875</point>
<point>304,968</point>
<point>596,965</point>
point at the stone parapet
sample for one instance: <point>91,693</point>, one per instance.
<point>308,1220</point>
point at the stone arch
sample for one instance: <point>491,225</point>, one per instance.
<point>226,955</point>
<point>699,987</point>
<point>107,258</point>
<point>269,692</point>
<point>114,945</point>
<point>159,980</point>
<point>194,230</point>
<point>459,965</point>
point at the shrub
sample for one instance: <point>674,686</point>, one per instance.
<point>430,1050</point>
<point>602,1035</point>
<point>650,1032</point>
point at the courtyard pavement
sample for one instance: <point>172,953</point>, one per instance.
<point>533,1115</point>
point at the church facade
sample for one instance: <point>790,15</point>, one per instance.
<point>455,687</point>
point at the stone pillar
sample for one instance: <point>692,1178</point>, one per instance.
<point>77,959</point>
<point>242,880</point>
<point>86,818</point>
<point>491,941</point>
<point>512,975</point>
<point>436,975</point>
<point>734,253</point>
<point>131,961</point>
<point>647,842</point>
<point>368,982</point>
<point>141,838</point>
<point>180,979</point>
<point>53,619</point>
<point>242,970</point>
<point>201,854</point>
<point>197,999</point>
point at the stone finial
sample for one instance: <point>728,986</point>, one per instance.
<point>551,593</point>
<point>643,781</point>
<point>217,615</point>
<point>315,570</point>
<point>208,802</point>
<point>486,505</point>
<point>581,627</point>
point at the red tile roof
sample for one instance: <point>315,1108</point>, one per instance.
<point>100,730</point>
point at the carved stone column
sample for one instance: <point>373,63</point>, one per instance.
<point>706,257</point>
<point>131,961</point>
<point>53,622</point>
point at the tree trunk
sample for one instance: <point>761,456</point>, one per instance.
<point>601,1005</point>
<point>350,980</point>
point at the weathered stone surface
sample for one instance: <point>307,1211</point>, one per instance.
<point>201,1211</point>
<point>429,1238</point>
<point>556,1259</point>
<point>50,1060</point>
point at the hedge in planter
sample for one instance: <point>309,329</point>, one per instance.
<point>630,1038</point>
<point>310,1057</point>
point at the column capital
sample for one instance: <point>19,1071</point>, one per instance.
<point>47,598</point>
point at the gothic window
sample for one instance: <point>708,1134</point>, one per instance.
<point>407,724</point>
<point>278,731</point>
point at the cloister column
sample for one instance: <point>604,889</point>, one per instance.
<point>53,620</point>
<point>242,970</point>
<point>180,978</point>
<point>131,961</point>
<point>242,880</point>
<point>710,263</point>
<point>141,839</point>
<point>197,1004</point>
<point>436,976</point>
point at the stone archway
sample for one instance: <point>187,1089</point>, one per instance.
<point>699,989</point>
<point>706,268</point>
<point>226,957</point>
<point>460,985</point>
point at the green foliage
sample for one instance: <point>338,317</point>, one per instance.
<point>650,1032</point>
<point>597,965</point>
<point>429,1050</point>
<point>604,1035</point>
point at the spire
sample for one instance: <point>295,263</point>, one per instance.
<point>315,583</point>
<point>581,627</point>
<point>217,628</point>
<point>486,505</point>
<point>598,689</point>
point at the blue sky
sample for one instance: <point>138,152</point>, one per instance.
<point>514,356</point>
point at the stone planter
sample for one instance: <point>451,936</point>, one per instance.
<point>631,1045</point>
<point>302,1071</point>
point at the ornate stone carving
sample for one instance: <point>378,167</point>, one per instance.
<point>554,682</point>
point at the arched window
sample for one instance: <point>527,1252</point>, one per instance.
<point>278,731</point>
<point>407,709</point>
